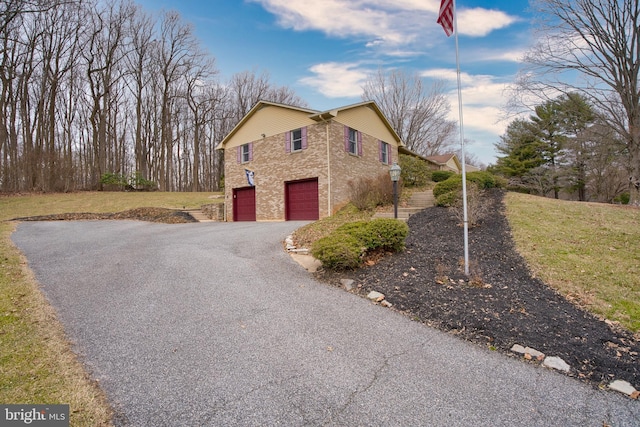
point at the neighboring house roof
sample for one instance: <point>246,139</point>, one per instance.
<point>443,158</point>
<point>313,115</point>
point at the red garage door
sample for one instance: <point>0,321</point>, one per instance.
<point>301,200</point>
<point>244,204</point>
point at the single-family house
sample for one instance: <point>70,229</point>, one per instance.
<point>283,162</point>
<point>449,162</point>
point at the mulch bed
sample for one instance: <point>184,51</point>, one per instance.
<point>167,216</point>
<point>500,304</point>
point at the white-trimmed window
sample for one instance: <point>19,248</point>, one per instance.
<point>244,153</point>
<point>352,141</point>
<point>296,140</point>
<point>385,153</point>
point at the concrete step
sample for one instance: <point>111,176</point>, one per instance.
<point>422,199</point>
<point>198,215</point>
<point>417,202</point>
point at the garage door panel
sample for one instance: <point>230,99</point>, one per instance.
<point>244,204</point>
<point>302,200</point>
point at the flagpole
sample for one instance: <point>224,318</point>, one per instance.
<point>464,167</point>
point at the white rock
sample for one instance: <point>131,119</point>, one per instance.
<point>556,363</point>
<point>533,352</point>
<point>622,387</point>
<point>347,283</point>
<point>386,303</point>
<point>375,296</point>
<point>517,348</point>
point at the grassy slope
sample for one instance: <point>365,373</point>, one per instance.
<point>590,252</point>
<point>36,361</point>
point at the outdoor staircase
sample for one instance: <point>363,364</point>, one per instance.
<point>418,201</point>
<point>198,215</point>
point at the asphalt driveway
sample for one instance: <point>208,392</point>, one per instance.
<point>214,324</point>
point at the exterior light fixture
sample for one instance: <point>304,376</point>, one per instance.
<point>394,172</point>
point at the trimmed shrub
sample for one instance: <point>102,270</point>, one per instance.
<point>483,179</point>
<point>439,176</point>
<point>380,233</point>
<point>344,248</point>
<point>338,251</point>
<point>451,184</point>
<point>388,234</point>
<point>449,199</point>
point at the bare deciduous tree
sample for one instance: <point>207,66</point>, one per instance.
<point>591,47</point>
<point>99,90</point>
<point>418,114</point>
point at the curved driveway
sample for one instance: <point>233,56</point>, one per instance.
<point>213,324</point>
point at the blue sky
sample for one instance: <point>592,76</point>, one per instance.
<point>325,49</point>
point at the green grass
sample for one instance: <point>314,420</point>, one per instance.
<point>589,252</point>
<point>36,361</point>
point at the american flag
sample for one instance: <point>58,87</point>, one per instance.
<point>445,18</point>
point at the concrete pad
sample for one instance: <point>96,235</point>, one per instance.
<point>307,261</point>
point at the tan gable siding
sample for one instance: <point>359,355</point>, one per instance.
<point>269,120</point>
<point>366,120</point>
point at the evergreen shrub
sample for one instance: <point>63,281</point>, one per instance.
<point>439,176</point>
<point>345,247</point>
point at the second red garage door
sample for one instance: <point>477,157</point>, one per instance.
<point>301,200</point>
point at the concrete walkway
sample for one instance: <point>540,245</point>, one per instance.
<point>215,325</point>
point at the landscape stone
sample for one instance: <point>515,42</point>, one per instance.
<point>623,387</point>
<point>532,352</point>
<point>517,348</point>
<point>347,283</point>
<point>375,296</point>
<point>556,363</point>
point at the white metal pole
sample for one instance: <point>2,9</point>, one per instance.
<point>463,160</point>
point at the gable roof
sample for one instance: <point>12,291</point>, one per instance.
<point>442,159</point>
<point>329,114</point>
<point>260,105</point>
<point>315,115</point>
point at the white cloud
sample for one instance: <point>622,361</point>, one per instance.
<point>384,23</point>
<point>483,98</point>
<point>507,55</point>
<point>337,80</point>
<point>479,22</point>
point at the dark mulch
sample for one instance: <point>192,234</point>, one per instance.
<point>500,304</point>
<point>167,216</point>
